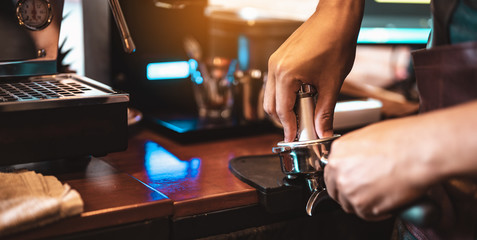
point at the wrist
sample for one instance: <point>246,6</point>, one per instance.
<point>455,145</point>
<point>343,4</point>
<point>343,16</point>
<point>445,148</point>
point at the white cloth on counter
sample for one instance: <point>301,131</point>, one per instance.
<point>29,199</point>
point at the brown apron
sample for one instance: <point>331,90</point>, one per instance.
<point>446,76</point>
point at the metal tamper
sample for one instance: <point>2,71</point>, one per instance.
<point>307,155</point>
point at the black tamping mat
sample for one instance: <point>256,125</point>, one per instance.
<point>280,195</point>
<point>276,192</point>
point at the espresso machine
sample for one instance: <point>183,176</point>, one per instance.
<point>46,115</point>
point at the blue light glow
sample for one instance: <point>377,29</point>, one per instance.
<point>180,125</point>
<point>197,77</point>
<point>193,64</point>
<point>199,80</point>
<point>168,70</point>
<point>194,73</point>
<point>243,52</point>
<point>162,166</point>
<point>394,35</point>
<point>173,127</point>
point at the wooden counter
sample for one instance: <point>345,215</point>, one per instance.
<point>163,189</point>
<point>194,176</point>
<point>210,201</point>
<point>111,198</point>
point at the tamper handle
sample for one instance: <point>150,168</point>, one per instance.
<point>305,109</point>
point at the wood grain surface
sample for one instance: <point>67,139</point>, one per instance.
<point>194,176</point>
<point>110,197</point>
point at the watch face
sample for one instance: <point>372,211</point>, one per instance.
<point>34,14</point>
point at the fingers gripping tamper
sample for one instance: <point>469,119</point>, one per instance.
<point>307,155</point>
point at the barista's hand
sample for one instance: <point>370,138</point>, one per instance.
<point>374,170</point>
<point>321,53</point>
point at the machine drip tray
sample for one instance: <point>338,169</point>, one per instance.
<point>276,192</point>
<point>60,117</point>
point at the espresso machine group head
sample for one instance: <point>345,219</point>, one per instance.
<point>46,115</point>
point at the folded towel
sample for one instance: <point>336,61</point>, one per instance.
<point>29,199</point>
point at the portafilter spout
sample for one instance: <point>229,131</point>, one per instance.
<point>304,155</point>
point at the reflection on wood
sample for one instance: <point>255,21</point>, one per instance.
<point>195,176</point>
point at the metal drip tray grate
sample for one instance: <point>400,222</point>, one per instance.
<point>35,89</point>
<point>52,91</point>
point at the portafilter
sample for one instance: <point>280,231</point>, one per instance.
<point>308,155</point>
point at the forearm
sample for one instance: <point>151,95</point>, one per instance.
<point>349,11</point>
<point>344,16</point>
<point>375,169</point>
<point>449,142</point>
<point>321,53</point>
<point>340,21</point>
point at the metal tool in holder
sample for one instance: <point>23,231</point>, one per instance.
<point>306,155</point>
